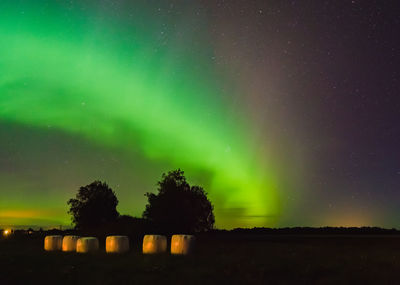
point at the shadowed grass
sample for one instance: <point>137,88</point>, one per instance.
<point>217,260</point>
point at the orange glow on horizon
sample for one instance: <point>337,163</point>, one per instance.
<point>25,213</point>
<point>350,218</point>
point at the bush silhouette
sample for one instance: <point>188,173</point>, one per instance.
<point>95,206</point>
<point>179,207</point>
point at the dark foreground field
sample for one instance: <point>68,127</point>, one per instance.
<point>253,259</point>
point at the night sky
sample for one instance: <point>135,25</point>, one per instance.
<point>286,112</point>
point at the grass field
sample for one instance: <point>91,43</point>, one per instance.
<point>236,259</point>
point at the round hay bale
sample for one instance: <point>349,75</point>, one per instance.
<point>87,244</point>
<point>154,244</point>
<point>117,244</point>
<point>69,243</point>
<point>52,243</point>
<point>182,244</point>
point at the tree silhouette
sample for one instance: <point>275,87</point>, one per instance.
<point>95,205</point>
<point>178,207</point>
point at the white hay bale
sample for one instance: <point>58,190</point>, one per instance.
<point>87,244</point>
<point>117,244</point>
<point>154,244</point>
<point>182,244</point>
<point>52,243</point>
<point>69,243</point>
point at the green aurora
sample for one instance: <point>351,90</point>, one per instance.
<point>114,83</point>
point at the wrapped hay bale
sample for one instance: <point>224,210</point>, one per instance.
<point>117,244</point>
<point>182,244</point>
<point>52,243</point>
<point>69,243</point>
<point>87,244</point>
<point>154,244</point>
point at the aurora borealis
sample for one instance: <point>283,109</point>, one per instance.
<point>234,95</point>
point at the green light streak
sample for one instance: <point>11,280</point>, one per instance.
<point>115,85</point>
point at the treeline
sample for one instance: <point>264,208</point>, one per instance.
<point>311,231</point>
<point>137,227</point>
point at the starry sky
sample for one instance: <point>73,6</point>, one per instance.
<point>286,112</point>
